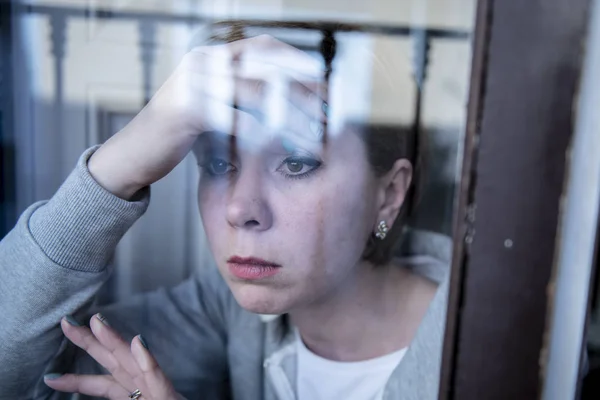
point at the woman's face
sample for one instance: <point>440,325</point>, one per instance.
<point>287,218</point>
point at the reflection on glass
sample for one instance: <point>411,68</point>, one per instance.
<point>303,160</point>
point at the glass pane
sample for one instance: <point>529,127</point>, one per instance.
<point>303,158</point>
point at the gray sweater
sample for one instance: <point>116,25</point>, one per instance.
<point>55,260</point>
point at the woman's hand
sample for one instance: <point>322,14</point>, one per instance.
<point>205,92</point>
<point>131,366</point>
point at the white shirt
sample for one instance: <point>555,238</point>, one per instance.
<point>322,379</point>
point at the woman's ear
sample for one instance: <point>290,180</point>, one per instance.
<point>394,186</point>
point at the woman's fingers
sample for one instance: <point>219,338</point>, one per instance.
<point>84,338</point>
<point>262,81</point>
<point>253,110</point>
<point>154,378</point>
<point>132,366</point>
<point>92,385</point>
<point>115,345</point>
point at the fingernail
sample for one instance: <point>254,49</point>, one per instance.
<point>71,320</point>
<point>325,108</point>
<point>102,319</point>
<point>143,342</point>
<point>51,377</point>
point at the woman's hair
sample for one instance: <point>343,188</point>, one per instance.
<point>385,144</point>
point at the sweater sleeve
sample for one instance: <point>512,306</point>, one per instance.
<point>51,264</point>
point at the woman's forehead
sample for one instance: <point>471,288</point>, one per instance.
<point>256,141</point>
<point>261,142</point>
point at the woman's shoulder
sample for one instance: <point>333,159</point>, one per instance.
<point>426,253</point>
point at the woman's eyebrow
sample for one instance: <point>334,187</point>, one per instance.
<point>220,139</point>
<point>299,138</point>
<point>214,140</point>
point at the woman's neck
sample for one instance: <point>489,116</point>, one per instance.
<point>375,312</point>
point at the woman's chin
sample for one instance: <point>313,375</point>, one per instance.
<point>261,299</point>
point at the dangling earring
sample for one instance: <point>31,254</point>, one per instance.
<point>382,230</point>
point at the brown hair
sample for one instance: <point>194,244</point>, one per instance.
<point>385,145</point>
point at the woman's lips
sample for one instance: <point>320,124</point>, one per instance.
<point>251,268</point>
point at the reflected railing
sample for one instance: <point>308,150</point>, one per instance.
<point>60,16</point>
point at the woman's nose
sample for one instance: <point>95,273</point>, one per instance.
<point>247,207</point>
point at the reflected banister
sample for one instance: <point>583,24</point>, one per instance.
<point>147,43</point>
<point>323,25</point>
<point>58,27</point>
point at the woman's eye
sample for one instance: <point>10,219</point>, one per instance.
<point>218,166</point>
<point>296,167</point>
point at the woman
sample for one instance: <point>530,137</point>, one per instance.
<point>301,203</point>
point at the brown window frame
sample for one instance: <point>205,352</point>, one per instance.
<point>526,66</point>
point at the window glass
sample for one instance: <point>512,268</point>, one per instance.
<point>298,161</point>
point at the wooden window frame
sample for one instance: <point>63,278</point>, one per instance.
<point>526,66</point>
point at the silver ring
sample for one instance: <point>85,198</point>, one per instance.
<point>136,394</point>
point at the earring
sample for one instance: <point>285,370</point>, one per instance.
<point>382,230</point>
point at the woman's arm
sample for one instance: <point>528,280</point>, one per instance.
<point>51,264</point>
